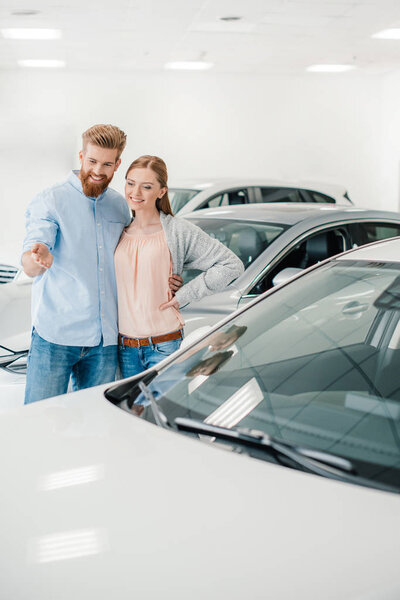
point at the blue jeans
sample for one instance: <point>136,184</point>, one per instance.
<point>50,367</point>
<point>135,360</point>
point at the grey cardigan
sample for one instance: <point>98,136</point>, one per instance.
<point>192,248</point>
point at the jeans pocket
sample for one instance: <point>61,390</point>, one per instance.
<point>167,348</point>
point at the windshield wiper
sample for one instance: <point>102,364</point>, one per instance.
<point>314,461</point>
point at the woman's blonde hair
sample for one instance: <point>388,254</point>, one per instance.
<point>105,136</point>
<point>158,166</point>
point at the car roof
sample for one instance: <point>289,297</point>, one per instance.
<point>215,185</point>
<point>290,213</point>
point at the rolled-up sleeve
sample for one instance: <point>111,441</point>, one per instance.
<point>220,266</point>
<point>41,224</point>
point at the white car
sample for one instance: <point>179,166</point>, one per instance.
<point>274,471</point>
<point>187,196</point>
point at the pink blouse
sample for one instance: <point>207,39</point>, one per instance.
<point>142,268</point>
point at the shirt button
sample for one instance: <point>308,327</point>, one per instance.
<point>98,224</point>
<point>100,269</point>
<point>100,246</point>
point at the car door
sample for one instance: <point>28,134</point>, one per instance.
<point>312,248</point>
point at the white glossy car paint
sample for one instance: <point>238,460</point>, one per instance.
<point>96,504</point>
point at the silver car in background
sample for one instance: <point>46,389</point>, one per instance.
<point>277,241</point>
<point>187,196</point>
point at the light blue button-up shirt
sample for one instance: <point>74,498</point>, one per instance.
<point>74,303</point>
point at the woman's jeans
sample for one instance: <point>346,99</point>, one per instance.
<point>135,360</point>
<point>50,367</point>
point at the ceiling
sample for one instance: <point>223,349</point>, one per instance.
<point>272,36</point>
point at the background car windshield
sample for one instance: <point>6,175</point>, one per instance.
<point>246,239</point>
<point>316,364</point>
<point>179,197</point>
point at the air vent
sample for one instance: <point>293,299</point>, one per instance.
<point>7,273</point>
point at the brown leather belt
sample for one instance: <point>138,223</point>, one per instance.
<point>123,340</point>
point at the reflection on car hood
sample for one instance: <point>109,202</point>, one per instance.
<point>97,502</point>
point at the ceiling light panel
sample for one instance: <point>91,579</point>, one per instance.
<point>330,68</point>
<point>42,63</point>
<point>27,33</point>
<point>388,34</point>
<point>189,65</point>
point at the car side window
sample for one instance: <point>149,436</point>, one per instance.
<point>220,200</point>
<point>239,196</point>
<point>364,233</point>
<point>310,251</point>
<point>277,194</point>
<point>318,197</point>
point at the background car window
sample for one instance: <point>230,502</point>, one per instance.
<point>226,198</point>
<point>364,233</point>
<point>179,197</point>
<point>312,250</point>
<point>318,197</point>
<point>220,200</point>
<point>247,240</point>
<point>276,194</point>
<point>238,197</point>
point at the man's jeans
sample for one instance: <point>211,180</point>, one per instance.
<point>135,360</point>
<point>50,367</point>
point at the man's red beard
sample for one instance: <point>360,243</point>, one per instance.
<point>91,189</point>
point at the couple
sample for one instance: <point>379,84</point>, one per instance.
<point>99,296</point>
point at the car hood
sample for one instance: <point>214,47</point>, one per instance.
<point>96,502</point>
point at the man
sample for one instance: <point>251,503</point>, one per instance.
<point>72,231</point>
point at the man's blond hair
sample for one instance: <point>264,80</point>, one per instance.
<point>105,136</point>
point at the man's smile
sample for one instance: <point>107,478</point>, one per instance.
<point>97,178</point>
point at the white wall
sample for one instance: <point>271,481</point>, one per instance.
<point>390,157</point>
<point>326,128</point>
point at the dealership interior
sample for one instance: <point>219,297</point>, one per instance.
<point>200,347</point>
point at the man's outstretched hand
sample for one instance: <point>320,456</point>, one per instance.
<point>42,255</point>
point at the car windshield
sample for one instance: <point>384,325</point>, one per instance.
<point>315,364</point>
<point>178,197</point>
<point>246,239</point>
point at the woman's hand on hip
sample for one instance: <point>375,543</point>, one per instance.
<point>173,303</point>
<point>175,282</point>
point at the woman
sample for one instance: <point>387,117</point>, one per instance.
<point>153,246</point>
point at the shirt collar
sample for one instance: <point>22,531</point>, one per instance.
<point>73,179</point>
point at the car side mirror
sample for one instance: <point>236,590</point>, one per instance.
<point>284,275</point>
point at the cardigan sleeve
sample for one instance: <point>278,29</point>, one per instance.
<point>220,265</point>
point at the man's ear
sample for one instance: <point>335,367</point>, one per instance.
<point>117,164</point>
